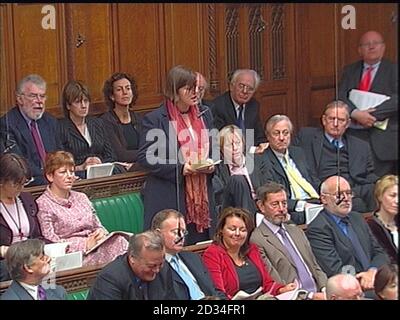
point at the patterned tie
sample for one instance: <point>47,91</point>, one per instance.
<point>194,289</point>
<point>307,282</point>
<point>42,293</point>
<point>355,241</point>
<point>335,143</point>
<point>240,119</point>
<point>297,182</point>
<point>38,141</point>
<point>365,83</point>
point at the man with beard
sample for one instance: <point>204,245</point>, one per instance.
<point>284,247</point>
<point>29,130</point>
<point>28,266</point>
<point>341,240</point>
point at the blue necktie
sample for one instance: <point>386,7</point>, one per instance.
<point>307,282</point>
<point>194,289</point>
<point>351,234</point>
<point>336,144</point>
<point>240,119</point>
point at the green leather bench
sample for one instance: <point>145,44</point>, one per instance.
<point>121,212</point>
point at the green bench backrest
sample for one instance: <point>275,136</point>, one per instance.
<point>79,295</point>
<point>121,212</point>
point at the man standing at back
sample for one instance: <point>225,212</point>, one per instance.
<point>237,106</point>
<point>29,130</point>
<point>374,74</point>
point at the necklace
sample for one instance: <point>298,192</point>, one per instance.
<point>19,227</point>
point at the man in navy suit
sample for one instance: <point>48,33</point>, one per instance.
<point>28,266</point>
<point>29,130</point>
<point>237,106</point>
<point>196,283</point>
<point>383,79</point>
<point>139,274</point>
<point>330,150</point>
<point>340,239</point>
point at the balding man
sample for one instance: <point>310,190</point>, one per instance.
<point>340,239</point>
<point>343,287</point>
<point>375,74</point>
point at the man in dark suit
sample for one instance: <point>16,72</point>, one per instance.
<point>288,166</point>
<point>237,106</point>
<point>139,274</point>
<point>280,264</point>
<point>29,130</point>
<point>331,149</point>
<point>28,266</point>
<point>340,239</point>
<point>375,74</point>
<point>191,279</point>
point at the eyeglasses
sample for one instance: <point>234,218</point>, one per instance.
<point>244,87</point>
<point>333,119</point>
<point>341,194</point>
<point>180,232</point>
<point>277,133</point>
<point>24,183</point>
<point>33,96</point>
<point>371,44</point>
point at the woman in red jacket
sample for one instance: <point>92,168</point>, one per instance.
<point>234,263</point>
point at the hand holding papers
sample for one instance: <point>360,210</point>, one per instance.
<point>204,164</point>
<point>108,236</point>
<point>243,295</point>
<point>99,170</point>
<point>365,100</point>
<point>60,260</point>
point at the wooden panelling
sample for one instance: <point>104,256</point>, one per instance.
<point>273,104</point>
<point>90,46</point>
<point>184,35</point>
<point>141,49</point>
<point>39,50</point>
<point>5,55</point>
<point>319,99</point>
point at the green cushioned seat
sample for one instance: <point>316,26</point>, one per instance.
<point>79,295</point>
<point>121,212</point>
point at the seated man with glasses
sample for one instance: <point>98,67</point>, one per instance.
<point>378,75</point>
<point>191,279</point>
<point>287,165</point>
<point>139,274</point>
<point>330,150</point>
<point>238,106</point>
<point>28,130</point>
<point>340,238</point>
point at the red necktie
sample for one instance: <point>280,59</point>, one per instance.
<point>38,141</point>
<point>365,83</point>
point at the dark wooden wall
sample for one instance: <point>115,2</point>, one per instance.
<point>299,49</point>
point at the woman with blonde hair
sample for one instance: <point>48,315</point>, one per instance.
<point>384,221</point>
<point>68,216</point>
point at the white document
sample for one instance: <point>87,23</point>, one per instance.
<point>108,236</point>
<point>99,170</point>
<point>55,249</point>
<point>311,211</point>
<point>364,100</point>
<point>243,295</point>
<point>204,164</point>
<point>293,294</point>
<point>60,260</point>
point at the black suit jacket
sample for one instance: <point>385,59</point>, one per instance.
<point>15,129</point>
<point>361,167</point>
<point>195,264</point>
<point>334,250</point>
<point>17,292</point>
<point>384,143</point>
<point>276,172</point>
<point>118,282</point>
<point>72,141</point>
<point>225,114</point>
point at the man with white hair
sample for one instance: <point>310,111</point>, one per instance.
<point>29,130</point>
<point>343,287</point>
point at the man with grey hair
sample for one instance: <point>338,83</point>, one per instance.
<point>28,266</point>
<point>341,239</point>
<point>238,106</point>
<point>28,130</point>
<point>287,165</point>
<point>190,277</point>
<point>139,274</point>
<point>343,287</point>
<point>331,151</point>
